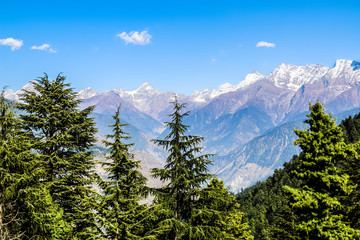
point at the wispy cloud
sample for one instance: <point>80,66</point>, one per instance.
<point>265,44</point>
<point>44,47</point>
<point>135,37</point>
<point>13,43</point>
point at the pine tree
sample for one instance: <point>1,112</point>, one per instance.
<point>184,174</point>
<point>26,207</point>
<point>317,202</point>
<point>350,127</point>
<point>217,215</point>
<point>62,135</point>
<point>120,209</point>
<point>351,166</point>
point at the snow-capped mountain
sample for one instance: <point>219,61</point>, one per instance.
<point>248,125</point>
<point>209,94</point>
<point>276,98</point>
<point>338,82</point>
<point>147,99</point>
<point>87,93</point>
<point>15,96</point>
<point>293,77</point>
<point>156,104</point>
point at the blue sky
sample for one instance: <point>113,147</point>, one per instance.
<point>179,46</point>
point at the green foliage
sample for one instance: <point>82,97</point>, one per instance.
<point>62,135</point>
<point>26,207</point>
<point>43,217</point>
<point>351,129</point>
<point>317,201</point>
<point>120,210</point>
<point>216,215</point>
<point>266,205</point>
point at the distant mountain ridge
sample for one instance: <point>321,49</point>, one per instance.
<point>237,121</point>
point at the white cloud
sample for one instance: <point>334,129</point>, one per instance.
<point>135,37</point>
<point>44,47</point>
<point>265,44</point>
<point>13,43</point>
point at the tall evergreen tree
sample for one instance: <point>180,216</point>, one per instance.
<point>120,209</point>
<point>184,174</point>
<point>62,135</point>
<point>187,210</point>
<point>317,202</point>
<point>26,207</point>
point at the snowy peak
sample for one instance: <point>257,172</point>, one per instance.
<point>343,63</point>
<point>208,94</point>
<point>250,79</point>
<point>342,66</point>
<point>288,76</point>
<point>29,86</point>
<point>293,77</point>
<point>146,88</point>
<point>344,75</point>
<point>87,93</point>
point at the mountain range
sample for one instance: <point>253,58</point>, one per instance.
<point>249,126</point>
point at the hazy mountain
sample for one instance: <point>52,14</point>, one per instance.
<point>248,125</point>
<point>258,158</point>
